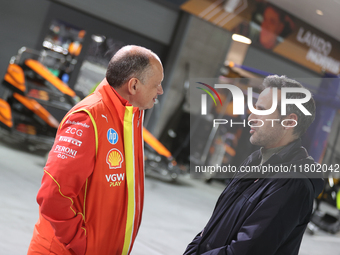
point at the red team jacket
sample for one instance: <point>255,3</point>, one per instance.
<point>91,196</point>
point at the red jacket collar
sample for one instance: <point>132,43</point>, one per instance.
<point>113,96</point>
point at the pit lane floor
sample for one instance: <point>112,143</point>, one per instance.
<point>173,213</point>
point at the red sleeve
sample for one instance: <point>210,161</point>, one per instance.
<point>70,162</point>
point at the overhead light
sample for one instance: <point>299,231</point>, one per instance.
<point>98,38</point>
<point>319,12</point>
<point>230,5</point>
<point>241,39</point>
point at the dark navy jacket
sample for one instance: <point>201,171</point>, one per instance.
<point>263,216</point>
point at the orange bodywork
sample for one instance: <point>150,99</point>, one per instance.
<point>15,76</point>
<point>46,74</point>
<point>5,113</point>
<point>35,107</point>
<point>74,48</point>
<point>155,144</point>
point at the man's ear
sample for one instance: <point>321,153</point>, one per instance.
<point>132,86</point>
<point>290,121</point>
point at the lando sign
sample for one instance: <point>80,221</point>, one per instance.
<point>272,29</point>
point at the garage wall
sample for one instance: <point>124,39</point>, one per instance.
<point>260,59</point>
<point>20,25</point>
<point>144,17</point>
<point>203,49</point>
<point>94,25</point>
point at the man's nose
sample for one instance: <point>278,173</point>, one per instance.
<point>160,90</point>
<point>252,118</point>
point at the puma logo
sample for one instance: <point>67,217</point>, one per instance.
<point>105,118</point>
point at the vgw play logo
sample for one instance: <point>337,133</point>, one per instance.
<point>238,103</point>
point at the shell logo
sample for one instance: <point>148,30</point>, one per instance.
<point>114,159</point>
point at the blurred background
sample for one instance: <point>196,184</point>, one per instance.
<point>53,53</point>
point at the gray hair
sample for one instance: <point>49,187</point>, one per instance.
<point>304,121</point>
<point>129,62</point>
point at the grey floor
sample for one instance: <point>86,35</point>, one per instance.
<point>173,213</point>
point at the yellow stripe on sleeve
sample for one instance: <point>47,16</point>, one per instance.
<point>96,140</point>
<point>92,120</point>
<point>60,191</point>
<point>94,126</point>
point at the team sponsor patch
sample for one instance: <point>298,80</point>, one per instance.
<point>66,151</point>
<point>72,131</point>
<point>77,123</point>
<point>70,140</point>
<point>115,179</point>
<point>114,159</point>
<point>112,136</point>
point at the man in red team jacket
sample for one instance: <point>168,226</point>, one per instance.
<point>92,190</point>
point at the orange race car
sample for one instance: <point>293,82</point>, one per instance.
<point>35,101</point>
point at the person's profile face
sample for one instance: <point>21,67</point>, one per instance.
<point>271,27</point>
<point>271,132</point>
<point>152,87</point>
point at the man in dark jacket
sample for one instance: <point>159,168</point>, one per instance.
<point>267,215</point>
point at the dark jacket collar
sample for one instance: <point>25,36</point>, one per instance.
<point>293,151</point>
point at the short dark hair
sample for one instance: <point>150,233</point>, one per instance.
<point>304,121</point>
<point>123,67</point>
